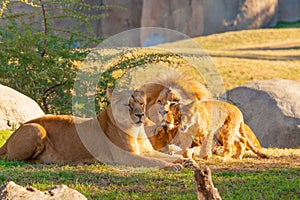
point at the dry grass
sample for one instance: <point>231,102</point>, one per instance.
<point>278,159</point>
<point>249,55</point>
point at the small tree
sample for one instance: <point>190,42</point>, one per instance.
<point>39,58</point>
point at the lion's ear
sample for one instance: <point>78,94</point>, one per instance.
<point>109,92</point>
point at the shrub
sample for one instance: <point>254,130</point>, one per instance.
<point>39,59</point>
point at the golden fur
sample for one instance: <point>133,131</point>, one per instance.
<point>168,88</point>
<point>218,146</point>
<point>174,86</point>
<point>173,119</point>
<point>66,139</point>
<point>201,120</point>
<point>166,131</point>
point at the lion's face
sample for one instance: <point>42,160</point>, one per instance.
<point>172,114</point>
<point>188,116</point>
<point>128,108</point>
<point>166,95</point>
<point>136,106</point>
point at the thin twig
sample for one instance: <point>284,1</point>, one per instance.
<point>45,28</point>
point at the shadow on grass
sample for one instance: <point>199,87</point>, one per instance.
<point>98,181</point>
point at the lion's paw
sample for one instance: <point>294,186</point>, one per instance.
<point>190,164</point>
<point>174,167</point>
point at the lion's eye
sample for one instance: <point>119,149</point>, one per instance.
<point>129,106</point>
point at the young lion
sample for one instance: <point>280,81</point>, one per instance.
<point>202,119</point>
<point>173,115</point>
<point>116,135</point>
<point>161,135</point>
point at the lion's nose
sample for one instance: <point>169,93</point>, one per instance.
<point>163,112</point>
<point>139,115</point>
<point>183,128</point>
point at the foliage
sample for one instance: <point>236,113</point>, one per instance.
<point>115,69</point>
<point>37,57</point>
<point>4,135</point>
<point>43,64</point>
<point>288,25</point>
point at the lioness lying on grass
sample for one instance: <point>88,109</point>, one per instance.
<point>116,135</point>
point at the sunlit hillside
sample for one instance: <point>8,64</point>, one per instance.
<point>248,55</point>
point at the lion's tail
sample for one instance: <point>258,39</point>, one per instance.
<point>252,137</point>
<point>3,151</point>
<point>249,144</point>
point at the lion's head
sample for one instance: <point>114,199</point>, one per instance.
<point>189,113</point>
<point>167,95</point>
<point>136,106</point>
<point>128,107</point>
<point>172,114</point>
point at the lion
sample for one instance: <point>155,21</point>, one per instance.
<point>218,145</point>
<point>115,135</point>
<point>169,87</point>
<point>172,115</point>
<point>202,120</point>
<point>185,87</point>
<point>169,123</point>
<point>162,139</point>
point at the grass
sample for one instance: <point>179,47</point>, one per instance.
<point>250,55</point>
<point>4,134</point>
<point>240,57</point>
<point>288,24</point>
<point>251,178</point>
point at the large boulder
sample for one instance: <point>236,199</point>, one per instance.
<point>12,191</point>
<point>202,17</point>
<point>119,20</point>
<point>272,109</point>
<point>183,16</point>
<point>289,10</point>
<point>16,108</point>
<point>193,17</point>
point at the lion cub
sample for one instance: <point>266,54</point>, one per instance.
<point>201,121</point>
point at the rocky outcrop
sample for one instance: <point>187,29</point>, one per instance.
<point>201,17</point>
<point>12,191</point>
<point>184,16</point>
<point>289,10</point>
<point>272,109</point>
<point>192,17</point>
<point>16,108</point>
<point>119,20</point>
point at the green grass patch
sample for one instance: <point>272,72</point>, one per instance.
<point>251,178</point>
<point>4,135</point>
<point>98,181</point>
<point>269,184</point>
<point>288,25</point>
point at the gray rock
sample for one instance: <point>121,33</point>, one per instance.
<point>202,17</point>
<point>16,108</point>
<point>119,20</point>
<point>12,191</point>
<point>272,109</point>
<point>289,10</point>
<point>193,17</point>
